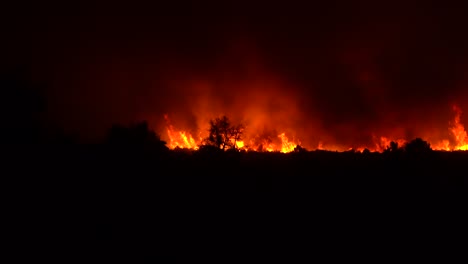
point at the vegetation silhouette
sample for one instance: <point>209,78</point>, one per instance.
<point>299,149</point>
<point>133,147</point>
<point>223,134</point>
<point>418,146</point>
<point>393,148</point>
<point>131,194</point>
<point>209,149</point>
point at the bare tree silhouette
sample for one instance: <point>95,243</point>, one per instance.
<point>223,134</point>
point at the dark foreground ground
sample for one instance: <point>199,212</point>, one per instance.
<point>112,204</point>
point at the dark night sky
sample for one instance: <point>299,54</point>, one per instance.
<point>348,63</point>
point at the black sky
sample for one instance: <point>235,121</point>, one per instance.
<point>350,62</point>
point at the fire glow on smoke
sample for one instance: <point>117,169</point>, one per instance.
<point>282,143</point>
<point>278,116</point>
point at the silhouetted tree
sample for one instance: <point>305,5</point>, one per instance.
<point>417,146</point>
<point>223,134</point>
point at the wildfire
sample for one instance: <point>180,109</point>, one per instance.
<point>458,131</point>
<point>384,142</point>
<point>286,145</point>
<point>442,145</point>
<point>179,139</point>
<point>240,144</point>
<point>281,143</point>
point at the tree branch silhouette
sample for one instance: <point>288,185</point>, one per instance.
<point>224,135</point>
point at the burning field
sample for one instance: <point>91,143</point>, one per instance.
<point>274,121</point>
<point>338,77</point>
<point>349,103</point>
<point>272,142</point>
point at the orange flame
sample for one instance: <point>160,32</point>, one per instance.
<point>240,144</point>
<point>183,139</point>
<point>286,145</point>
<point>179,139</point>
<point>442,145</point>
<point>458,131</point>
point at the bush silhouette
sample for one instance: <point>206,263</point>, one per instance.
<point>299,149</point>
<point>393,146</point>
<point>393,149</point>
<point>417,146</point>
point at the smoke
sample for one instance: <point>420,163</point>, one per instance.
<point>240,88</point>
<point>351,101</point>
<point>325,74</point>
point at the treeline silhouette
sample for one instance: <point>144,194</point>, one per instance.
<point>130,193</point>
